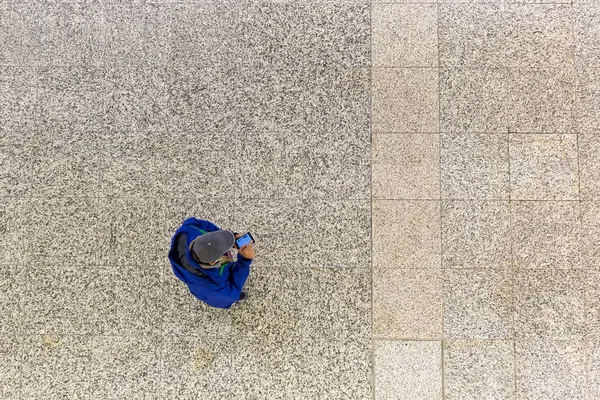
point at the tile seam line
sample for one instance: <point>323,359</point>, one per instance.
<point>371,269</point>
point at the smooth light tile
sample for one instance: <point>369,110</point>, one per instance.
<point>479,370</point>
<point>214,177</point>
<point>590,231</point>
<point>405,100</point>
<point>550,304</point>
<point>474,100</point>
<point>310,99</point>
<point>278,228</point>
<point>471,35</point>
<point>587,100</point>
<point>16,170</point>
<point>406,166</point>
<point>128,300</point>
<point>64,232</point>
<point>10,373</point>
<point>340,233</point>
<point>407,303</point>
<point>540,100</point>
<point>13,217</point>
<point>55,366</point>
<point>57,299</point>
<point>17,98</point>
<point>413,224</point>
<point>321,34</point>
<point>593,366</point>
<point>474,166</point>
<point>404,35</point>
<point>137,99</point>
<point>125,366</point>
<point>478,304</point>
<point>592,298</point>
<point>131,232</point>
<point>307,302</point>
<point>136,34</point>
<point>10,294</point>
<point>408,370</point>
<point>589,166</point>
<point>545,234</point>
<point>208,34</point>
<point>587,35</point>
<point>550,370</point>
<point>544,167</point>
<point>476,234</point>
<point>68,165</point>
<point>539,35</point>
<point>134,164</point>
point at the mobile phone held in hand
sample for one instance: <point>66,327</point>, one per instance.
<point>244,240</point>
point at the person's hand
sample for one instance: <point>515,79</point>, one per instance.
<point>247,251</point>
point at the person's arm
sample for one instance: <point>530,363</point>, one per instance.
<point>239,272</point>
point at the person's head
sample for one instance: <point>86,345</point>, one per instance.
<point>207,249</point>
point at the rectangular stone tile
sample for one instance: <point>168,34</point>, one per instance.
<point>406,166</point>
<point>10,369</point>
<point>545,234</point>
<point>68,164</point>
<point>13,229</point>
<point>404,35</point>
<point>587,34</point>
<point>137,34</point>
<point>408,370</point>
<point>593,367</point>
<point>474,166</point>
<point>592,303</point>
<point>185,315</point>
<point>137,99</point>
<point>405,100</point>
<point>337,233</point>
<point>407,303</point>
<point>213,177</point>
<point>590,232</point>
<point>218,211</point>
<point>589,166</point>
<point>16,167</point>
<point>127,301</point>
<point>206,97</point>
<point>476,234</point>
<point>55,366</point>
<point>540,100</point>
<point>544,167</point>
<point>322,34</point>
<point>131,232</point>
<point>406,234</point>
<point>209,34</point>
<point>478,304</point>
<point>479,370</point>
<point>81,36</point>
<point>550,370</point>
<point>17,98</point>
<point>587,100</point>
<point>10,295</point>
<point>134,164</point>
<point>71,98</point>
<point>474,100</point>
<point>123,367</point>
<point>471,35</point>
<point>539,35</point>
<point>307,302</point>
<point>57,299</point>
<point>550,304</point>
<point>337,166</point>
<point>309,99</point>
<point>278,228</point>
<point>64,231</point>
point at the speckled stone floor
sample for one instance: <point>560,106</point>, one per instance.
<point>423,181</point>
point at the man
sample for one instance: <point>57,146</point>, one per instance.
<point>201,256</point>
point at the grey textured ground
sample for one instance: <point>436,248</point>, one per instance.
<point>423,181</point>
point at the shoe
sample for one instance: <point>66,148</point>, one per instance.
<point>243,297</point>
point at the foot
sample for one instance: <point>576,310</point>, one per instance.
<point>243,297</point>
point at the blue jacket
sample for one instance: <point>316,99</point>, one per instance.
<point>217,287</point>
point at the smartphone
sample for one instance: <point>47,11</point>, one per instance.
<point>244,239</point>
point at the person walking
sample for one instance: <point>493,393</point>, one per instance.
<point>202,256</point>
